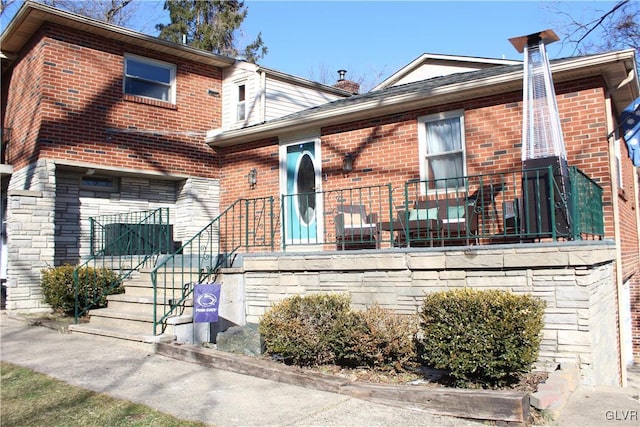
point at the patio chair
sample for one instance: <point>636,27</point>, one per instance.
<point>512,223</point>
<point>459,220</point>
<point>355,229</point>
<point>419,226</point>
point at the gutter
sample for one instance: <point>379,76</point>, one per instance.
<point>391,104</point>
<point>39,13</point>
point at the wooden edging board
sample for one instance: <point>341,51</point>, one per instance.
<point>494,405</point>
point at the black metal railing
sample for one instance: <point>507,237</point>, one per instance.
<point>246,224</point>
<point>587,206</point>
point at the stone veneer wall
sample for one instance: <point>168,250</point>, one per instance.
<point>48,219</point>
<point>198,202</point>
<point>30,231</point>
<point>576,279</point>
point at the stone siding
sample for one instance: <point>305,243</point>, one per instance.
<point>575,279</point>
<point>30,226</point>
<point>48,219</point>
<point>196,205</point>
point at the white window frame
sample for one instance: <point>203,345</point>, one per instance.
<point>423,150</point>
<point>154,63</point>
<point>241,104</point>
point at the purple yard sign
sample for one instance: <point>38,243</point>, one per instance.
<point>206,300</point>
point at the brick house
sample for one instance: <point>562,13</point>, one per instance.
<point>100,120</point>
<point>84,135</point>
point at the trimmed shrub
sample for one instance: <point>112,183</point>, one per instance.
<point>308,331</point>
<point>486,337</point>
<point>58,287</point>
<point>383,340</point>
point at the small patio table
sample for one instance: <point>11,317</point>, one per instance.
<point>415,229</point>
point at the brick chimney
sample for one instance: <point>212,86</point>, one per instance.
<point>348,85</point>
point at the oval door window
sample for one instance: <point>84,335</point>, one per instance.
<point>306,183</point>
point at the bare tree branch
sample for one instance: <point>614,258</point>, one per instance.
<point>600,21</point>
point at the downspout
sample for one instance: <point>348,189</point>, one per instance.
<point>611,137</point>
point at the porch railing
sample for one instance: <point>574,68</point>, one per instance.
<point>516,206</point>
<point>121,243</point>
<point>587,206</point>
<point>528,205</point>
<point>247,223</point>
<point>343,218</point>
<point>131,233</point>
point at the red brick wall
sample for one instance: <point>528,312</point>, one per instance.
<point>386,151</point>
<point>21,105</point>
<point>629,244</point>
<point>386,148</point>
<point>66,93</point>
<point>626,206</point>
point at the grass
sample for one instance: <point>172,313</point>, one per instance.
<point>33,399</point>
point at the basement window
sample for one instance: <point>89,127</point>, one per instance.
<point>107,184</point>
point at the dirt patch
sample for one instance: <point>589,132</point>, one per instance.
<point>422,376</point>
<point>56,321</point>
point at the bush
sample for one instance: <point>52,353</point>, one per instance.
<point>483,337</point>
<point>58,287</point>
<point>309,330</point>
<point>383,340</point>
<point>322,329</point>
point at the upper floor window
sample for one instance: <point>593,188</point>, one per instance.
<point>241,103</point>
<point>149,78</point>
<point>442,150</point>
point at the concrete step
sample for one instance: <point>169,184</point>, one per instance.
<point>130,315</point>
<point>139,299</point>
<point>147,291</point>
<point>132,318</point>
<point>87,328</point>
<point>117,263</point>
<point>136,304</point>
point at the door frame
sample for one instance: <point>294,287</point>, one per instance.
<point>317,164</point>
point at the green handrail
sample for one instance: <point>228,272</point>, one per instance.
<point>247,223</point>
<point>120,247</point>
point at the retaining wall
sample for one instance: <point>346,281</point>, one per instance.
<point>576,279</point>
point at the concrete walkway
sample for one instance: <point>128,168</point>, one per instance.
<point>603,406</point>
<point>188,391</point>
<point>219,398</point>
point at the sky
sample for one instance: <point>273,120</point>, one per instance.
<point>314,39</point>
